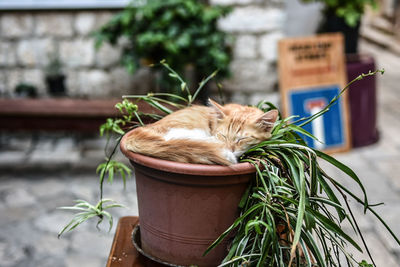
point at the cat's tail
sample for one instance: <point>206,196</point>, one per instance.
<point>179,150</point>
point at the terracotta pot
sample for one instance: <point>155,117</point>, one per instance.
<point>183,207</point>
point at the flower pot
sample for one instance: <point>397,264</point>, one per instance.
<point>183,207</point>
<point>55,85</point>
<point>363,102</point>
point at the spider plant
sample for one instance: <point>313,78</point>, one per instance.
<point>291,214</point>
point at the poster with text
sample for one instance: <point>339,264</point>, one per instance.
<point>311,74</point>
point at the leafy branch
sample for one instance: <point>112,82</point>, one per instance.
<point>87,211</point>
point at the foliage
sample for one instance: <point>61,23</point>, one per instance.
<point>350,11</point>
<point>87,211</point>
<point>182,32</point>
<point>291,214</point>
<point>54,66</point>
<point>286,213</point>
<point>26,90</point>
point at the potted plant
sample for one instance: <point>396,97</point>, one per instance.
<point>345,17</point>
<point>183,32</point>
<point>54,77</point>
<point>289,213</point>
<point>24,90</point>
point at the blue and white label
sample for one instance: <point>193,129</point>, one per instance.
<point>329,128</point>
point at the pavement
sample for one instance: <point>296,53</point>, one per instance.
<point>41,172</point>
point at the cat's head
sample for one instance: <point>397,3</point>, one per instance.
<point>241,127</point>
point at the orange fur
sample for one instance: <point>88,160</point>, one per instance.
<point>230,130</point>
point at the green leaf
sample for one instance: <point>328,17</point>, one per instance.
<point>346,170</point>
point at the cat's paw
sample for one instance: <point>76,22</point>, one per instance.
<point>230,156</point>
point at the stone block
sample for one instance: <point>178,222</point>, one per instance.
<point>36,78</point>
<point>256,97</point>
<point>269,46</point>
<point>107,55</point>
<point>239,98</point>
<point>143,81</point>
<point>10,255</point>
<point>100,243</point>
<point>253,19</point>
<point>7,54</point>
<point>13,25</point>
<point>3,85</point>
<point>14,77</point>
<point>54,24</point>
<point>122,82</point>
<point>81,259</point>
<point>19,197</point>
<point>102,18</point>
<point>52,222</point>
<point>245,47</point>
<point>35,52</point>
<point>95,83</point>
<point>11,159</point>
<point>253,75</point>
<point>72,83</point>
<point>85,23</point>
<point>77,53</point>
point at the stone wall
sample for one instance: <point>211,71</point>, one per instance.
<point>256,26</point>
<point>28,38</point>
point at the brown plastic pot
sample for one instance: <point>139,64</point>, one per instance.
<point>183,207</point>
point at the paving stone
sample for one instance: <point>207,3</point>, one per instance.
<point>49,244</point>
<point>53,222</point>
<point>48,188</point>
<point>18,197</point>
<point>391,169</point>
<point>10,255</point>
<point>93,245</point>
<point>379,253</point>
<point>75,259</point>
<point>12,159</point>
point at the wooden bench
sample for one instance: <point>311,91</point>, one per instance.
<point>58,114</point>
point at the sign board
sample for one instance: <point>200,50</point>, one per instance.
<point>311,73</point>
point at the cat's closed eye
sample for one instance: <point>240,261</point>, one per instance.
<point>242,139</point>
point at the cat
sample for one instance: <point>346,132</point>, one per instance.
<point>213,134</point>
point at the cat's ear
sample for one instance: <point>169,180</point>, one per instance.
<point>218,108</point>
<point>268,119</point>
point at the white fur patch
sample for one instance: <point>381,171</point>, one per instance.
<point>229,155</point>
<point>191,134</point>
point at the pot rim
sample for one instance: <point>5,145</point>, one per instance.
<point>185,168</point>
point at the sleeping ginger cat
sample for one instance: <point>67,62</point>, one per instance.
<point>204,135</point>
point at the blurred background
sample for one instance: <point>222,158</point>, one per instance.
<point>64,64</point>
